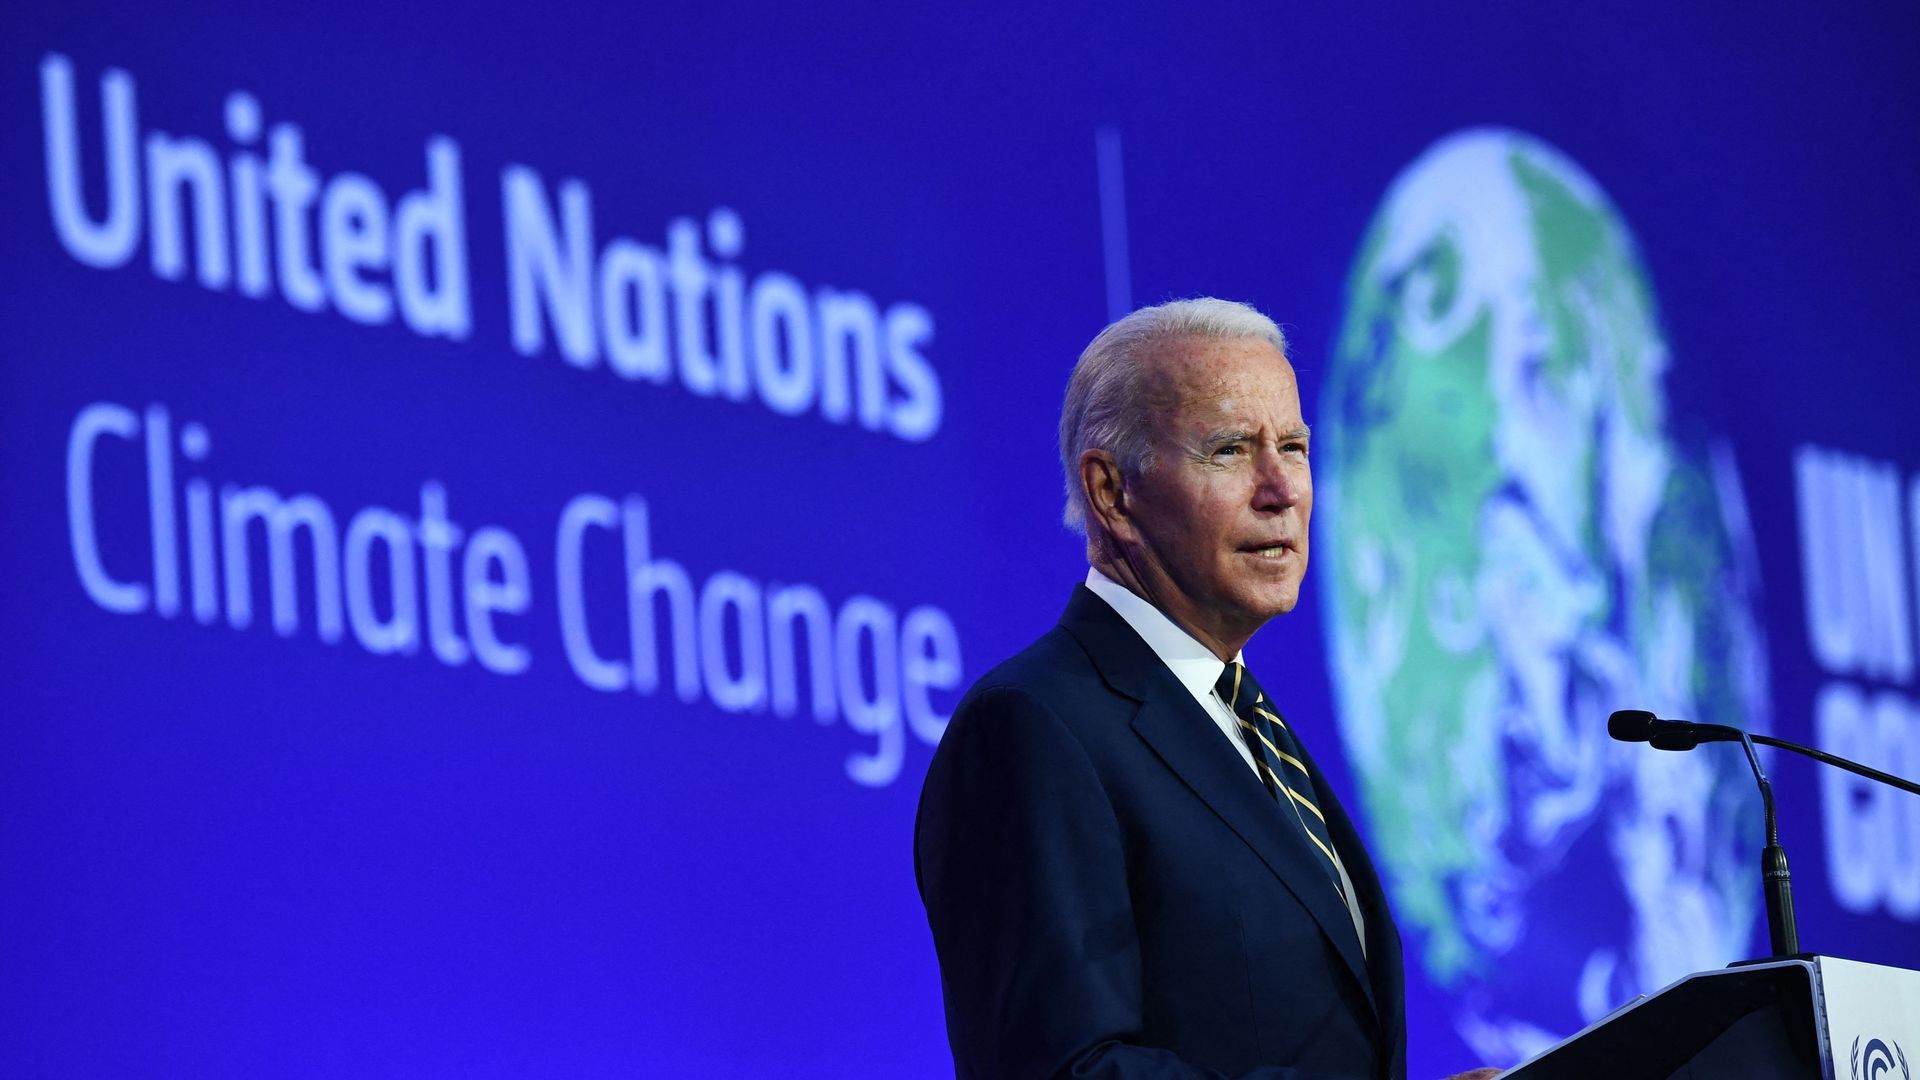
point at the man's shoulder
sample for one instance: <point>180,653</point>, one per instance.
<point>1043,713</point>
<point>1054,676</point>
<point>1054,663</point>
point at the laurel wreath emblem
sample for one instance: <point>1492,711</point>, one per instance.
<point>1880,1061</point>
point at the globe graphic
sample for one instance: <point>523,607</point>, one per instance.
<point>1519,545</point>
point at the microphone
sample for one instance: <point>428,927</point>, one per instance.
<point>1633,725</point>
<point>1638,725</point>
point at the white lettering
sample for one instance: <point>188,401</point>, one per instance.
<point>361,238</point>
<point>646,578</point>
<point>430,249</point>
<point>541,273</point>
<point>910,326</point>
<point>245,187</point>
<point>929,660</point>
<point>1852,564</point>
<point>195,445</point>
<point>740,640</point>
<point>353,218</point>
<point>260,217</point>
<point>186,165</point>
<point>729,592</point>
<point>95,421</point>
<point>399,632</point>
<point>581,513</point>
<point>635,330</point>
<point>495,582</point>
<point>291,187</point>
<point>1853,811</point>
<point>660,311</point>
<point>280,517</point>
<point>164,534</point>
<point>787,606</point>
<point>1873,831</point>
<point>109,242</point>
<point>439,536</point>
<point>866,620</point>
<point>782,324</point>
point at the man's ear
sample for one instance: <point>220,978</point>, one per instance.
<point>1105,487</point>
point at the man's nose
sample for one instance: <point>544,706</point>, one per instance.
<point>1280,480</point>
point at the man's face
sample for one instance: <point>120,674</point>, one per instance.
<point>1222,512</point>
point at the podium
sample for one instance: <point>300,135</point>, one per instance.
<point>1806,1018</point>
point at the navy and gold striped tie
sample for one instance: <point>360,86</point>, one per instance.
<point>1281,763</point>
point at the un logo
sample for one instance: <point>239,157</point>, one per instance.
<point>1879,1061</point>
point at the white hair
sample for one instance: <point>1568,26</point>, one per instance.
<point>1104,411</point>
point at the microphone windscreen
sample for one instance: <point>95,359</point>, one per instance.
<point>1631,725</point>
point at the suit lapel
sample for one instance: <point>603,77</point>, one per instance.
<point>1186,739</point>
<point>1384,955</point>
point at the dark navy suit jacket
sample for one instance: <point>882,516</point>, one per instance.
<point>1113,893</point>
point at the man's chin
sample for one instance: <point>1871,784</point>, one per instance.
<point>1271,602</point>
<point>1282,600</point>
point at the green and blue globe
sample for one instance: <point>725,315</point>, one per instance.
<point>1515,545</point>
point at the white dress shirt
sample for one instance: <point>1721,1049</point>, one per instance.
<point>1197,669</point>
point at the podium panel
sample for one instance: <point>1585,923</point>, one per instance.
<point>1808,1018</point>
<point>1871,1018</point>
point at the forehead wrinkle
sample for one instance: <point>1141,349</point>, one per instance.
<point>1187,385</point>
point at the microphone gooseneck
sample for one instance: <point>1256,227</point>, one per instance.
<point>1638,725</point>
<point>1776,880</point>
<point>1854,767</point>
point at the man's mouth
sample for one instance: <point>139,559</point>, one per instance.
<point>1269,551</point>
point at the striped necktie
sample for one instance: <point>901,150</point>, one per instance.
<point>1282,765</point>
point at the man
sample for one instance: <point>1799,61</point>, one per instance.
<point>1130,864</point>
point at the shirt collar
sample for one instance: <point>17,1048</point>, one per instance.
<point>1191,662</point>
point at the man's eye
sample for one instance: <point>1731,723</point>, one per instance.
<point>1227,450</point>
